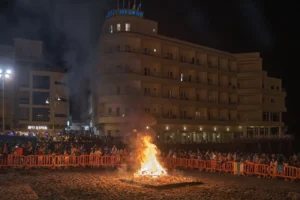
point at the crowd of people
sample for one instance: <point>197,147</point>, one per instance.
<point>85,145</point>
<point>263,158</point>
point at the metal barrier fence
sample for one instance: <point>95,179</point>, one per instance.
<point>65,161</point>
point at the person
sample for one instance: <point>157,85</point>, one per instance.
<point>5,154</point>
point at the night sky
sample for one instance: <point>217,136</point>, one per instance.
<point>70,30</point>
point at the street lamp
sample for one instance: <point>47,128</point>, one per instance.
<point>4,74</point>
<point>53,105</point>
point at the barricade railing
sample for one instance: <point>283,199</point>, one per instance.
<point>239,168</point>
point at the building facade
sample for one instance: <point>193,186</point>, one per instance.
<point>37,93</point>
<point>182,91</point>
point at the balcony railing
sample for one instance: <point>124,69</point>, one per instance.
<point>167,57</point>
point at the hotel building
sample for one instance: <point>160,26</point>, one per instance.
<point>36,94</point>
<point>184,92</point>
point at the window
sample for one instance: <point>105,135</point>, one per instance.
<point>183,95</point>
<point>111,29</point>
<point>275,116</point>
<point>154,30</point>
<point>118,111</point>
<point>118,27</point>
<point>265,116</point>
<point>146,91</point>
<point>127,27</point>
<point>182,114</point>
<point>146,71</point>
<point>61,115</point>
<point>147,51</point>
<point>147,110</point>
<point>109,110</point>
<point>272,100</point>
<point>23,113</point>
<point>190,78</point>
<point>41,114</point>
<point>272,87</point>
<point>154,50</point>
<point>23,97</point>
<point>41,82</point>
<point>60,83</point>
<point>181,77</point>
<point>277,87</point>
<point>40,98</point>
<point>170,74</point>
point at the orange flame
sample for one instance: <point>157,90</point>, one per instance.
<point>149,163</point>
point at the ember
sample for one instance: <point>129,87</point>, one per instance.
<point>149,163</point>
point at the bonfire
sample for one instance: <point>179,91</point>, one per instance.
<point>150,166</point>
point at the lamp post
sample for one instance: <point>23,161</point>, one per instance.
<point>52,106</point>
<point>4,74</point>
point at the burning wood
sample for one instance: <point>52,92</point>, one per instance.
<point>150,165</point>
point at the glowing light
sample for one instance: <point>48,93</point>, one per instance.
<point>8,71</point>
<point>154,50</point>
<point>184,128</point>
<point>149,163</point>
<point>215,128</point>
<point>240,127</point>
<point>47,101</point>
<point>200,128</point>
<point>58,98</point>
<point>6,75</point>
<point>227,129</point>
<point>147,127</point>
<point>167,128</point>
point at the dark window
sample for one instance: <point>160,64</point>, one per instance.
<point>23,97</point>
<point>61,115</point>
<point>40,98</point>
<point>23,113</point>
<point>109,110</point>
<point>272,87</point>
<point>272,100</point>
<point>118,89</point>
<point>277,87</point>
<point>41,82</point>
<point>24,79</point>
<point>41,114</point>
<point>265,116</point>
<point>60,83</point>
<point>118,111</point>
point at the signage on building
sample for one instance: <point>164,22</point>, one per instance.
<point>37,128</point>
<point>124,12</point>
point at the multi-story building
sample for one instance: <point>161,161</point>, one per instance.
<point>183,91</point>
<point>37,94</point>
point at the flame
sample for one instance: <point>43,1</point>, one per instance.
<point>149,163</point>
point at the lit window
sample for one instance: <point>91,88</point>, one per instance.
<point>111,29</point>
<point>181,77</point>
<point>118,27</point>
<point>154,30</point>
<point>127,27</point>
<point>154,50</point>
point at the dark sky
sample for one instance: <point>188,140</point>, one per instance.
<point>70,30</point>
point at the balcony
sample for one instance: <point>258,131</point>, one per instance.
<point>189,63</point>
<point>266,137</point>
